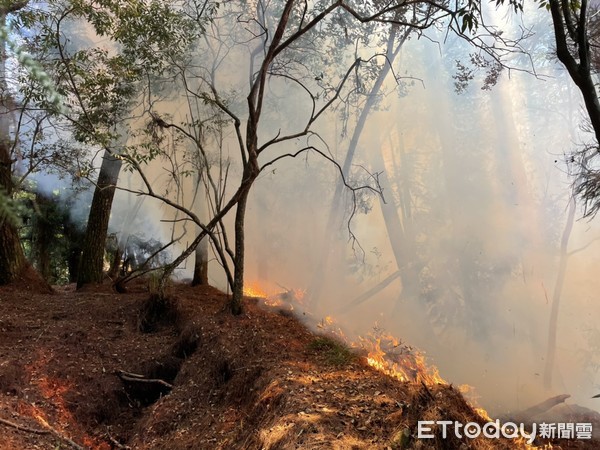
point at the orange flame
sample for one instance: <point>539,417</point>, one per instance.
<point>275,296</point>
<point>390,356</point>
<point>253,290</point>
<point>385,353</point>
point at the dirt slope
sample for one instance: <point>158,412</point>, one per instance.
<point>69,363</point>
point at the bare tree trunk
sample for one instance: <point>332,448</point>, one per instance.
<point>558,287</point>
<point>92,256</point>
<point>238,276</point>
<point>398,225</point>
<point>116,262</point>
<point>334,214</point>
<point>201,262</point>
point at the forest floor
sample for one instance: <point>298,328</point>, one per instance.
<point>69,360</point>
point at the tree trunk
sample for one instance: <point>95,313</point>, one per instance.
<point>399,228</point>
<point>74,237</point>
<point>334,214</point>
<point>201,262</point>
<point>42,235</point>
<point>577,61</point>
<point>560,279</point>
<point>116,257</point>
<point>12,257</point>
<point>238,276</point>
<point>92,256</point>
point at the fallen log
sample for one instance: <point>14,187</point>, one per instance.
<point>370,293</point>
<point>527,415</point>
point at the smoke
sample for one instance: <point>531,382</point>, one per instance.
<point>479,188</point>
<point>473,206</point>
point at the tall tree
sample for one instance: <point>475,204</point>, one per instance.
<point>102,86</point>
<point>286,43</point>
<point>91,264</point>
<point>12,257</point>
<point>577,37</point>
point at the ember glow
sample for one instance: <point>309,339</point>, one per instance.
<point>54,392</point>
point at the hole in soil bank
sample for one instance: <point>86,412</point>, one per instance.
<point>154,380</point>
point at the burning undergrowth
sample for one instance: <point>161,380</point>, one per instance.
<point>262,380</point>
<point>382,351</point>
<point>259,380</point>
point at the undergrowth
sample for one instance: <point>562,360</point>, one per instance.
<point>335,353</point>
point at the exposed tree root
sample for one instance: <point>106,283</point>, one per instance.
<point>49,430</point>
<point>60,436</point>
<point>136,378</point>
<point>8,423</point>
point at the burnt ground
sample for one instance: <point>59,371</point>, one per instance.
<point>69,366</point>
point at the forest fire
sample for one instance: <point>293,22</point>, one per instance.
<point>390,356</point>
<point>254,290</point>
<point>275,297</point>
<point>384,352</point>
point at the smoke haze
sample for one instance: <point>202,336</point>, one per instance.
<point>475,201</point>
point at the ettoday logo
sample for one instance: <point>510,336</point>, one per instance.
<point>508,430</point>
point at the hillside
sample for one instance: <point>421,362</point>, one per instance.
<point>70,364</point>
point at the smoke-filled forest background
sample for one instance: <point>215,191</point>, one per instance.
<point>403,181</point>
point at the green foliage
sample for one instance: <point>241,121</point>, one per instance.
<point>544,4</point>
<point>469,17</point>
<point>37,74</point>
<point>8,211</point>
<point>517,5</point>
<point>465,73</point>
<point>335,353</point>
<point>102,83</point>
<point>45,220</point>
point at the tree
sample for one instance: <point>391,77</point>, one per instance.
<point>91,262</point>
<point>102,86</point>
<point>577,37</point>
<point>286,44</point>
<point>12,258</point>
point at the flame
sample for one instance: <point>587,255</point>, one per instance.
<point>390,356</point>
<point>483,414</point>
<point>385,353</point>
<point>254,290</point>
<point>327,323</point>
<point>275,296</point>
